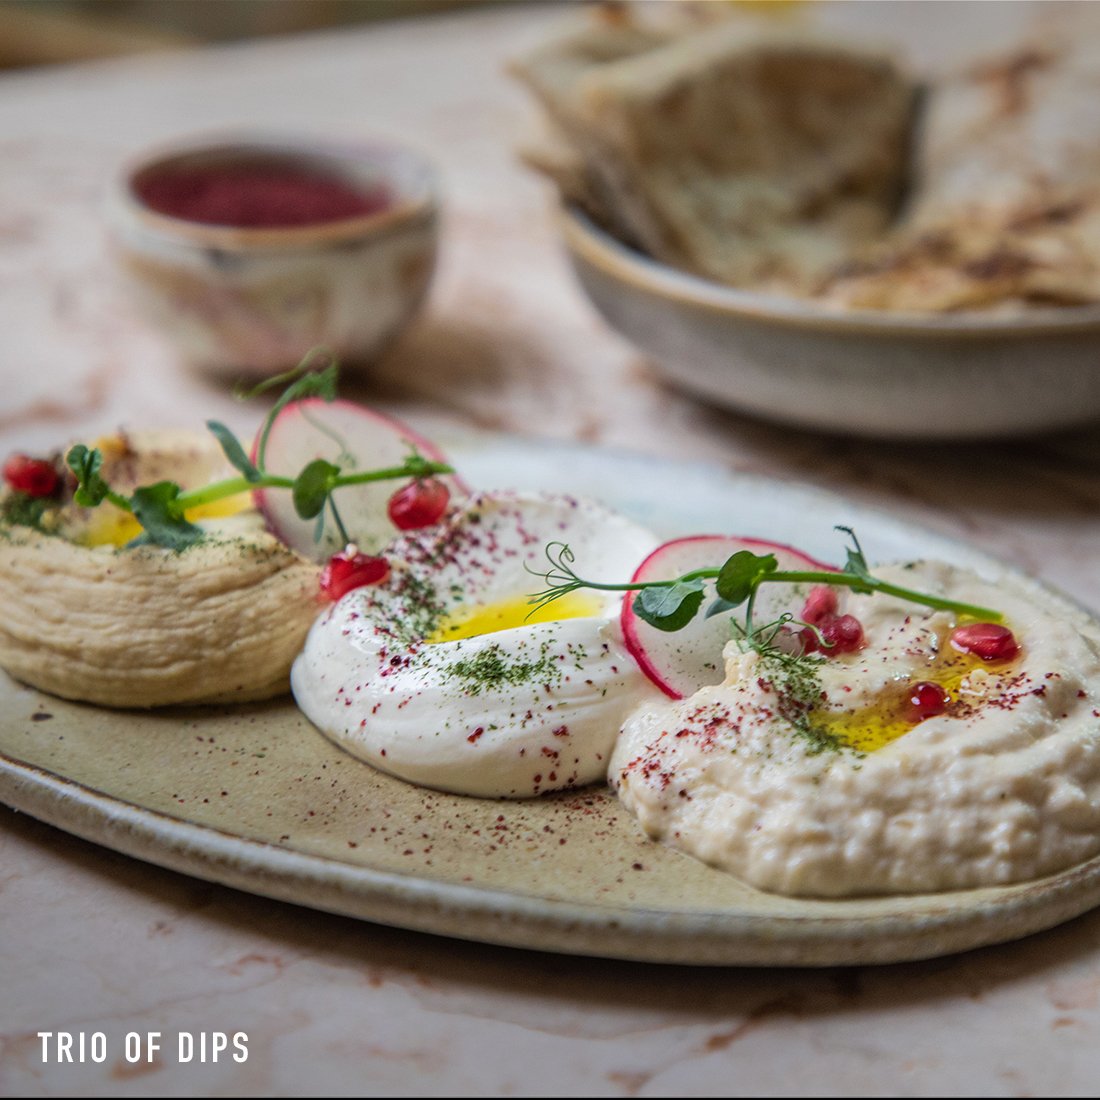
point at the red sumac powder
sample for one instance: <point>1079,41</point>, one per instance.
<point>255,196</point>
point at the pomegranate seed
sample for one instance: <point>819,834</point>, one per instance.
<point>34,476</point>
<point>821,601</point>
<point>419,504</point>
<point>844,632</point>
<point>350,569</point>
<point>926,700</point>
<point>841,634</point>
<point>989,641</point>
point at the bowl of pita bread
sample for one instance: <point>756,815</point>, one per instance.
<point>817,233</point>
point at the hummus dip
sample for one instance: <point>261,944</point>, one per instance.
<point>815,777</point>
<point>87,615</point>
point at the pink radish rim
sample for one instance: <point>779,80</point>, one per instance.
<point>628,620</point>
<point>425,446</point>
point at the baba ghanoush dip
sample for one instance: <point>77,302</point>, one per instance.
<point>934,758</point>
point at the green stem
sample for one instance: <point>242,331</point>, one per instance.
<point>842,580</point>
<point>418,467</point>
<point>341,529</point>
<point>853,580</point>
<point>749,604</point>
<point>303,369</point>
<point>219,490</point>
<point>229,487</point>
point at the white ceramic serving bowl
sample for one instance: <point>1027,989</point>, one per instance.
<point>859,372</point>
<point>255,300</point>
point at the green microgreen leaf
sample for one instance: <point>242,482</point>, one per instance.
<point>742,573</point>
<point>672,606</point>
<point>234,452</point>
<point>419,466</point>
<point>86,463</point>
<point>856,562</point>
<point>312,487</point>
<point>718,607</point>
<point>161,516</point>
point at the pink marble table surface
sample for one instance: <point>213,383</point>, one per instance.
<point>91,940</point>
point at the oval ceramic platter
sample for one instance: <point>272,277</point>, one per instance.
<point>253,797</point>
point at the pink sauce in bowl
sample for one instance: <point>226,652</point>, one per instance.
<point>260,193</point>
<point>249,250</point>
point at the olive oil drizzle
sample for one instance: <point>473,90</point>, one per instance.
<point>890,716</point>
<point>803,705</point>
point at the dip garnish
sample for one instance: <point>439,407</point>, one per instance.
<point>351,569</point>
<point>797,683</point>
<point>491,669</point>
<point>671,604</point>
<point>20,509</point>
<point>34,477</point>
<point>161,508</point>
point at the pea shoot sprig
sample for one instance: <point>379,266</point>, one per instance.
<point>671,604</point>
<point>161,509</point>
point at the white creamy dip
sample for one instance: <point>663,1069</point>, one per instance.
<point>839,793</point>
<point>447,676</point>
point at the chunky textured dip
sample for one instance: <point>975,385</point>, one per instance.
<point>906,767</point>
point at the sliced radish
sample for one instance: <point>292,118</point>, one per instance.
<point>354,438</point>
<point>680,663</point>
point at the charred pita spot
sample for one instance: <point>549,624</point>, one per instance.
<point>1060,213</point>
<point>1001,264</point>
<point>1009,79</point>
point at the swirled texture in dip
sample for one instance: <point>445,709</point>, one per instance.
<point>442,676</point>
<point>824,786</point>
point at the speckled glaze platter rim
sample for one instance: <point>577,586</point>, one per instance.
<point>930,926</point>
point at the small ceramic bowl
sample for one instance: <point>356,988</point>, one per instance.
<point>868,373</point>
<point>255,300</point>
